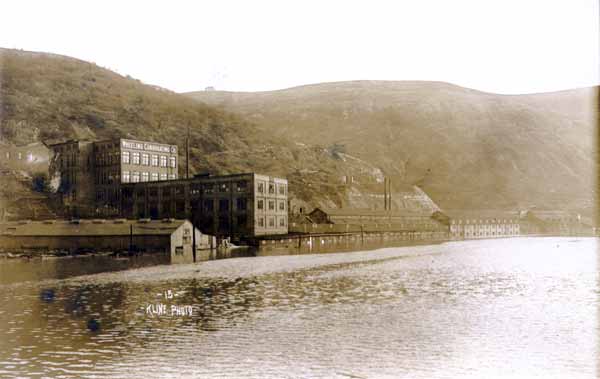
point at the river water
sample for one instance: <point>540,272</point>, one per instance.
<point>504,308</point>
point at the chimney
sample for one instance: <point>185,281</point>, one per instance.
<point>385,197</point>
<point>389,194</point>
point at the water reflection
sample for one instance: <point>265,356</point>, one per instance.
<point>515,307</point>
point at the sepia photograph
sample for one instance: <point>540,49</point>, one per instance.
<point>299,189</point>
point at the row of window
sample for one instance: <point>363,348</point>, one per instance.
<point>136,176</point>
<point>260,205</point>
<point>196,189</point>
<point>148,160</point>
<point>19,156</point>
<point>260,188</point>
<point>208,205</point>
<point>482,234</point>
<point>482,221</point>
<point>271,222</point>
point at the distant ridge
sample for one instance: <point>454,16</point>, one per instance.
<point>466,148</point>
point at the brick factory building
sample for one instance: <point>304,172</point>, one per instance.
<point>236,206</point>
<point>91,172</point>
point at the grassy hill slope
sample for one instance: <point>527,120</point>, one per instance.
<point>47,97</point>
<point>465,148</point>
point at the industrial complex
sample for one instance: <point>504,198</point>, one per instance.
<point>114,192</point>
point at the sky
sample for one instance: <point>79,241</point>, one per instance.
<point>500,46</point>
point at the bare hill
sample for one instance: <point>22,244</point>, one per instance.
<point>48,97</point>
<point>465,148</point>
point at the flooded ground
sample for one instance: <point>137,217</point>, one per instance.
<point>505,308</point>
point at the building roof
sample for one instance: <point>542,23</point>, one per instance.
<point>483,214</point>
<point>116,227</point>
<point>371,213</point>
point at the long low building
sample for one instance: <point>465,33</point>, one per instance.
<point>480,224</point>
<point>170,236</point>
<point>406,219</point>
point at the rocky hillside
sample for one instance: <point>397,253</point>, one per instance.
<point>465,148</point>
<point>47,97</point>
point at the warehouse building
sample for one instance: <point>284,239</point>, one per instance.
<point>480,224</point>
<point>344,219</point>
<point>235,206</point>
<point>173,237</point>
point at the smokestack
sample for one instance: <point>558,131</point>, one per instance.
<point>389,194</point>
<point>385,197</point>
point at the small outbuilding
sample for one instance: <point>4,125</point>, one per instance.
<point>170,236</point>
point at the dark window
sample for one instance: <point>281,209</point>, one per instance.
<point>282,189</point>
<point>208,205</point>
<point>282,205</point>
<point>242,220</point>
<point>260,204</point>
<point>166,209</point>
<point>141,212</point>
<point>242,186</point>
<point>271,188</point>
<point>195,189</point>
<point>126,193</point>
<point>153,210</point>
<point>223,205</point>
<point>271,205</point>
<point>241,204</point>
<point>180,206</point>
<point>223,222</point>
<point>195,205</point>
<point>166,191</point>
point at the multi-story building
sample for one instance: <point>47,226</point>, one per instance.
<point>236,206</point>
<point>91,172</point>
<point>72,163</point>
<point>32,158</point>
<point>129,161</point>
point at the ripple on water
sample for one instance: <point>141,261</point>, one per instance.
<point>517,307</point>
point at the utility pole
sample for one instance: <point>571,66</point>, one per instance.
<point>130,238</point>
<point>193,239</point>
<point>187,153</point>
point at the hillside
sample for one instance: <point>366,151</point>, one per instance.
<point>465,148</point>
<point>47,97</point>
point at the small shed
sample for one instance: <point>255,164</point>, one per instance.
<point>170,236</point>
